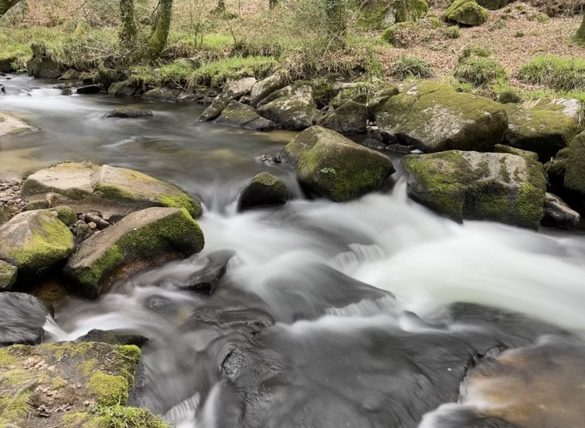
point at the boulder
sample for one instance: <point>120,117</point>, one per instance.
<point>124,88</point>
<point>206,278</point>
<point>558,214</point>
<point>114,192</point>
<point>23,318</point>
<point>574,177</point>
<point>333,166</point>
<point>263,190</point>
<point>433,117</point>
<point>6,64</point>
<point>542,131</point>
<point>502,148</point>
<point>244,116</point>
<point>375,13</point>
<point>8,275</point>
<point>350,118</point>
<point>70,385</point>
<point>42,65</point>
<point>493,4</point>
<point>11,125</point>
<point>141,239</point>
<point>234,89</point>
<point>466,12</point>
<point>169,95</point>
<point>478,186</point>
<point>89,90</point>
<point>34,241</point>
<point>265,87</point>
<point>296,111</point>
<point>129,113</point>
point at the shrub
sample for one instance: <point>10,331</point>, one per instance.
<point>410,66</point>
<point>556,72</point>
<point>479,71</point>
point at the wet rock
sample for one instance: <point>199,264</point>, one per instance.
<point>265,87</point>
<point>574,178</point>
<point>349,118</point>
<point>12,125</point>
<point>331,165</point>
<point>232,91</point>
<point>169,95</point>
<point>34,241</point>
<point>42,65</point>
<point>296,111</point>
<point>264,190</point>
<point>8,275</point>
<point>466,12</point>
<point>6,64</point>
<point>244,116</point>
<point>558,214</point>
<point>141,239</point>
<point>542,131</point>
<point>89,90</point>
<point>113,338</point>
<point>206,279</point>
<point>502,148</point>
<point>433,118</point>
<point>125,88</point>
<point>114,192</point>
<point>23,317</point>
<point>478,186</point>
<point>129,113</point>
<point>70,385</point>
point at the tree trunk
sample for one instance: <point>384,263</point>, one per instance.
<point>160,29</point>
<point>580,36</point>
<point>6,5</point>
<point>128,32</point>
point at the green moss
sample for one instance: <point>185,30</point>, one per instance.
<point>108,389</point>
<point>127,417</point>
<point>182,201</point>
<point>216,73</point>
<point>92,275</point>
<point>466,12</point>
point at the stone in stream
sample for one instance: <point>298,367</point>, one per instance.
<point>129,113</point>
<point>42,65</point>
<point>295,111</point>
<point>502,148</point>
<point>244,116</point>
<point>114,192</point>
<point>12,125</point>
<point>22,320</point>
<point>207,278</point>
<point>89,90</point>
<point>124,88</point>
<point>70,385</point>
<point>8,274</point>
<point>233,90</point>
<point>349,118</point>
<point>263,190</point>
<point>265,87</point>
<point>35,241</point>
<point>466,12</point>
<point>433,117</point>
<point>478,186</point>
<point>558,214</point>
<point>333,166</point>
<point>140,240</point>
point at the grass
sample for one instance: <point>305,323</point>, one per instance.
<point>479,71</point>
<point>555,72</point>
<point>410,66</point>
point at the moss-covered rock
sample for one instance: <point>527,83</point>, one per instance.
<point>379,14</point>
<point>542,131</point>
<point>12,125</point>
<point>493,4</point>
<point>478,186</point>
<point>112,191</point>
<point>466,12</point>
<point>42,64</point>
<point>244,116</point>
<point>263,190</point>
<point>34,241</point>
<point>349,118</point>
<point>74,385</point>
<point>433,117</point>
<point>8,275</point>
<point>124,88</point>
<point>574,178</point>
<point>139,240</point>
<point>296,111</point>
<point>232,90</point>
<point>502,148</point>
<point>329,164</point>
<point>265,87</point>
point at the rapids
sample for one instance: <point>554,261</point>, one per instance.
<point>330,314</point>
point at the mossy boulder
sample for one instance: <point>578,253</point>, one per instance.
<point>8,275</point>
<point>542,131</point>
<point>12,125</point>
<point>295,111</point>
<point>141,239</point>
<point>70,385</point>
<point>478,186</point>
<point>433,117</point>
<point>502,148</point>
<point>493,4</point>
<point>349,118</point>
<point>333,166</point>
<point>23,318</point>
<point>265,87</point>
<point>124,88</point>
<point>35,241</point>
<point>115,192</point>
<point>42,65</point>
<point>232,90</point>
<point>466,12</point>
<point>379,14</point>
<point>574,177</point>
<point>263,190</point>
<point>244,116</point>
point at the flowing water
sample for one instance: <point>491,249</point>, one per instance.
<point>330,315</point>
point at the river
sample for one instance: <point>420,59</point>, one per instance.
<point>330,315</point>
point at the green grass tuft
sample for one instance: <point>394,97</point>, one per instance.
<point>411,66</point>
<point>555,72</point>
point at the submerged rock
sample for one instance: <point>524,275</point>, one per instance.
<point>139,240</point>
<point>333,166</point>
<point>295,111</point>
<point>478,186</point>
<point>23,318</point>
<point>129,113</point>
<point>12,125</point>
<point>349,118</point>
<point>114,192</point>
<point>244,116</point>
<point>466,12</point>
<point>263,190</point>
<point>70,385</point>
<point>433,118</point>
<point>35,241</point>
<point>558,214</point>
